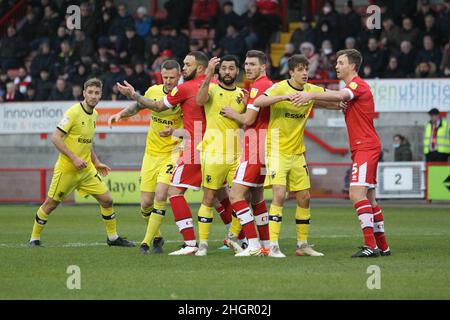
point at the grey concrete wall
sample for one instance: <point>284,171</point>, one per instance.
<point>126,150</point>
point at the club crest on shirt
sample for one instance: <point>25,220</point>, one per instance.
<point>253,93</point>
<point>353,85</point>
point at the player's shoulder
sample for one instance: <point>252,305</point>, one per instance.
<point>157,88</point>
<point>357,82</point>
<point>74,109</point>
<point>309,87</point>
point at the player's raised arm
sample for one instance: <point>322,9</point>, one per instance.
<point>202,94</point>
<point>128,90</point>
<point>58,140</point>
<point>125,113</point>
<point>246,119</point>
<point>327,96</point>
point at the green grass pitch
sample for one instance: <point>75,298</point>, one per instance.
<point>418,269</point>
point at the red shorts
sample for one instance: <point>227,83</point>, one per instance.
<point>250,175</point>
<point>364,168</point>
<point>187,174</point>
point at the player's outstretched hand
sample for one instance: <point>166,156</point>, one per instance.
<point>213,62</point>
<point>114,118</point>
<point>343,105</point>
<point>103,169</point>
<point>126,89</point>
<point>301,98</point>
<point>79,163</point>
<point>167,132</point>
<point>228,112</point>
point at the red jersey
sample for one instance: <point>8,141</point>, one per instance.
<point>255,134</point>
<point>194,120</point>
<point>359,116</point>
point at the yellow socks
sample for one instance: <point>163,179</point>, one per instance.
<point>109,217</point>
<point>235,227</point>
<point>39,223</point>
<point>154,222</point>
<point>205,218</point>
<point>146,213</point>
<point>302,218</point>
<point>275,218</point>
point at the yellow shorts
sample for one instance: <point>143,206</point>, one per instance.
<point>287,170</point>
<point>218,169</point>
<point>156,169</point>
<point>87,181</point>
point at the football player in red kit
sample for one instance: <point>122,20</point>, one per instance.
<point>365,147</point>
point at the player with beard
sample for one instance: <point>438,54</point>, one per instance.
<point>250,174</point>
<point>219,148</point>
<point>187,174</point>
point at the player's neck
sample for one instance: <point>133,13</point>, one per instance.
<point>86,107</point>
<point>350,76</point>
<point>229,86</point>
<point>294,84</point>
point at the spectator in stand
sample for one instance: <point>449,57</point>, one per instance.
<point>444,70</point>
<point>66,59</point>
<point>77,93</point>
<point>12,49</point>
<point>426,70</point>
<point>104,56</point>
<point>164,55</point>
<point>179,44</point>
<point>131,48</point>
<point>49,24</point>
<point>392,70</point>
<point>366,72</point>
<point>303,34</point>
<point>423,9</point>
<point>365,34</point>
<point>22,80</point>
<point>43,60</point>
<point>121,21</point>
<point>324,32</point>
<point>55,42</point>
<point>90,13</point>
<point>429,53</point>
<point>390,35</point>
<point>402,148</point>
<point>308,50</point>
<point>431,29</point>
<point>350,43</point>
<point>330,15</point>
<point>115,95</point>
<point>12,94</point>
<point>406,59</point>
<point>80,76</point>
<point>253,25</point>
<point>28,30</point>
<point>436,139</point>
<point>327,61</point>
<point>104,25</point>
<point>271,14</point>
<point>141,80</point>
<point>129,73</point>
<point>227,18</point>
<point>30,94</point>
<point>109,8</point>
<point>61,92</point>
<point>4,79</point>
<point>351,20</point>
<point>113,75</point>
<point>289,51</point>
<point>153,54</point>
<point>232,43</point>
<point>142,22</point>
<point>83,46</point>
<point>409,32</point>
<point>204,13</point>
<point>375,57</point>
<point>178,13</point>
<point>444,22</point>
<point>44,85</point>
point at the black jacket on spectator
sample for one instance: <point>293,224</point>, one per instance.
<point>43,89</point>
<point>119,24</point>
<point>376,60</point>
<point>134,47</point>
<point>140,81</point>
<point>66,64</point>
<point>351,25</point>
<point>434,56</point>
<point>225,20</point>
<point>42,61</point>
<point>299,36</point>
<point>57,95</point>
<point>178,12</point>
<point>406,63</point>
<point>47,26</point>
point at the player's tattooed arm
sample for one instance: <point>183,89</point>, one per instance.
<point>202,94</point>
<point>125,113</point>
<point>58,140</point>
<point>128,90</point>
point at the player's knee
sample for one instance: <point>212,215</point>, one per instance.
<point>146,204</point>
<point>356,196</point>
<point>174,191</point>
<point>235,196</point>
<point>49,205</point>
<point>303,199</point>
<point>161,197</point>
<point>208,198</point>
<point>106,203</point>
<point>278,199</point>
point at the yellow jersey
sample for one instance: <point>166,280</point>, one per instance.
<point>287,121</point>
<point>155,144</point>
<point>221,135</point>
<point>79,127</point>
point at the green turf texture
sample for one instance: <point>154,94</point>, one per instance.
<point>75,235</point>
